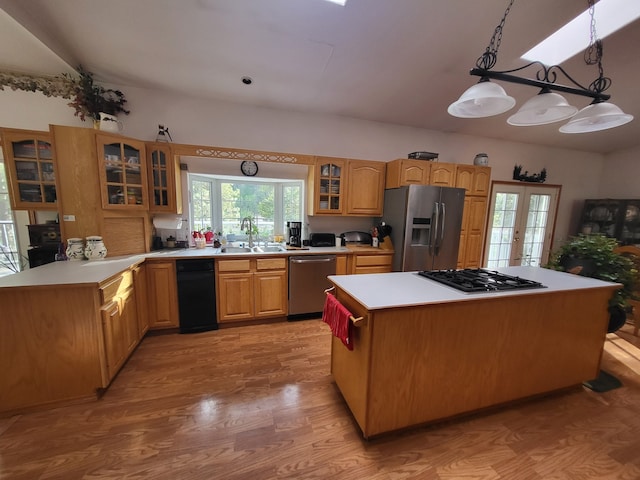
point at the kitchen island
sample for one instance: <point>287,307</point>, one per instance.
<point>427,352</point>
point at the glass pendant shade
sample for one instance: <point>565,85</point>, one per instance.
<point>597,116</point>
<point>484,99</point>
<point>546,107</point>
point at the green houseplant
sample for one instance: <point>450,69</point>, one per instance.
<point>594,256</point>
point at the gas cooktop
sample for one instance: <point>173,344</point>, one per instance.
<point>478,280</point>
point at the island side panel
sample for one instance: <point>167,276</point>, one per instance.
<point>437,361</point>
<point>350,368</point>
<point>49,346</point>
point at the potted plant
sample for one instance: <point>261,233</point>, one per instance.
<point>87,98</point>
<point>90,99</point>
<point>594,256</point>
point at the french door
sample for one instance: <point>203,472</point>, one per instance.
<point>521,221</point>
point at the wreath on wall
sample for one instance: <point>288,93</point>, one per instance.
<point>525,177</point>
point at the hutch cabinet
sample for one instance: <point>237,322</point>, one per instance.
<point>31,169</point>
<point>616,218</point>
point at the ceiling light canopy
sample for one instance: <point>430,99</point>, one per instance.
<point>486,99</point>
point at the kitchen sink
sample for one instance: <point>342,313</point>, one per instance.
<point>237,250</point>
<point>275,248</point>
<point>269,249</point>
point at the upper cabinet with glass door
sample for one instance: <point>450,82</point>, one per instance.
<point>123,174</point>
<point>31,169</point>
<point>164,179</point>
<point>328,186</point>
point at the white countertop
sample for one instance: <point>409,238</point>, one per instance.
<point>76,272</point>
<point>400,289</point>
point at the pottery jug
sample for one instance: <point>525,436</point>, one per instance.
<point>481,159</point>
<point>109,123</point>
<point>95,249</point>
<point>75,249</point>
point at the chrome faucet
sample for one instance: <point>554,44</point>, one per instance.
<point>248,223</point>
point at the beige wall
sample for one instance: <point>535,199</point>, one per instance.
<point>195,121</point>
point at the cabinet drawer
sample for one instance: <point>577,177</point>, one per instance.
<point>241,265</point>
<point>117,285</point>
<point>271,263</point>
<point>372,260</point>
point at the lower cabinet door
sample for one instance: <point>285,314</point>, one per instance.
<point>271,293</point>
<point>115,337</point>
<point>235,301</point>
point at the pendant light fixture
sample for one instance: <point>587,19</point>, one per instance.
<point>486,98</point>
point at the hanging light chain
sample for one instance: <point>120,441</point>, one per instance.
<point>490,56</point>
<point>593,54</point>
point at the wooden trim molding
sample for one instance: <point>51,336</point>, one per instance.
<point>241,154</point>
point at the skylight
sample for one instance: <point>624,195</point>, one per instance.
<point>610,15</point>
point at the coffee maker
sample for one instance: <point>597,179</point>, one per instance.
<point>294,237</point>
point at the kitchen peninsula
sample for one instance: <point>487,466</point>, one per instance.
<point>67,328</point>
<point>427,352</point>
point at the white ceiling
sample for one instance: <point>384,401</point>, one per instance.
<point>392,61</point>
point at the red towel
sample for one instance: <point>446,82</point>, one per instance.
<point>338,318</point>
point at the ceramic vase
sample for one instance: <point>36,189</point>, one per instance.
<point>75,249</point>
<point>95,249</point>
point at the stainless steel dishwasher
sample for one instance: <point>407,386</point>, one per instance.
<point>307,283</point>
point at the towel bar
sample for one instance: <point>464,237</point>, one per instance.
<point>360,321</point>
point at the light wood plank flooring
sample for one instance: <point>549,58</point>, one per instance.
<point>258,402</point>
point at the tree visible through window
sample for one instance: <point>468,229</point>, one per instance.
<point>220,204</point>
<point>9,255</point>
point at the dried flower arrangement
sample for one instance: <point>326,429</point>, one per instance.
<point>87,98</point>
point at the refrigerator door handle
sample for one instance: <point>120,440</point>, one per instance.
<point>442,223</point>
<point>434,232</point>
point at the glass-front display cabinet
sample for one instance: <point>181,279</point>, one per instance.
<point>164,179</point>
<point>617,218</point>
<point>329,186</point>
<point>31,170</point>
<point>123,174</point>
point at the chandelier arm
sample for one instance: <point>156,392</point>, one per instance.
<point>542,80</point>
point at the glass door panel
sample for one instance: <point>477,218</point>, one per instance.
<point>521,226</point>
<point>35,178</point>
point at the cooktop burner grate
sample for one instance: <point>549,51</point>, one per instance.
<point>479,280</point>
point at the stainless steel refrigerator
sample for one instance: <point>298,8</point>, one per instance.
<point>425,226</point>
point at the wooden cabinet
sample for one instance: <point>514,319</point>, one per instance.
<point>126,229</point>
<point>341,264</point>
<point>365,187</point>
<point>31,169</point>
<point>443,174</point>
<point>123,174</point>
<point>339,186</point>
<point>162,293</point>
<point>472,233</point>
<point>140,285</point>
<point>163,173</point>
<point>326,185</point>
<point>119,314</point>
<point>251,288</point>
<point>476,182</point>
<point>402,172</point>
<point>370,263</point>
<point>407,172</point>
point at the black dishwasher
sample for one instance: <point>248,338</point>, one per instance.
<point>196,295</point>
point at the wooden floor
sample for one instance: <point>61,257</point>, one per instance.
<point>258,403</point>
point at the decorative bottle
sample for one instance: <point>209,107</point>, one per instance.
<point>75,249</point>
<point>95,249</point>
